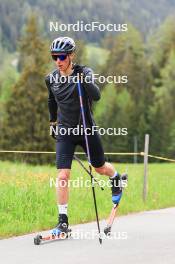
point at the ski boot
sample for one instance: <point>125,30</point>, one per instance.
<point>60,232</point>
<point>118,183</point>
<point>61,228</point>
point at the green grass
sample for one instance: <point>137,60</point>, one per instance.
<point>28,204</point>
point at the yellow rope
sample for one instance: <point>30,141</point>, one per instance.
<point>161,158</point>
<point>82,153</point>
<point>27,151</point>
<point>53,152</point>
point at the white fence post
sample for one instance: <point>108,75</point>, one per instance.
<point>145,177</point>
<point>135,149</point>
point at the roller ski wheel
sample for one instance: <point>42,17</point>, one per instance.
<point>37,240</point>
<point>107,230</point>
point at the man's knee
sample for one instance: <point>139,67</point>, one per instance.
<point>101,170</point>
<point>64,174</point>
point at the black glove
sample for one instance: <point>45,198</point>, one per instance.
<point>79,69</point>
<point>79,72</point>
<point>53,126</point>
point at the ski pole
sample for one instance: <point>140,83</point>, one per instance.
<point>88,156</point>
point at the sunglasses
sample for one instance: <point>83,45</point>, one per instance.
<point>61,57</point>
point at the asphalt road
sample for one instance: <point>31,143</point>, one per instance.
<point>147,238</point>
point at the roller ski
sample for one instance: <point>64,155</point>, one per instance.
<point>118,184</point>
<point>60,232</point>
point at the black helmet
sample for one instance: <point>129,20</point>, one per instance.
<point>62,45</point>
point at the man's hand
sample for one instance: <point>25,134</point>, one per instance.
<point>79,70</point>
<point>53,126</point>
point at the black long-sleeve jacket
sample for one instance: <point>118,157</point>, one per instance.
<point>63,99</point>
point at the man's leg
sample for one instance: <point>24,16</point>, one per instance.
<point>63,191</point>
<point>104,168</point>
<point>64,155</point>
<point>107,169</point>
<point>116,180</point>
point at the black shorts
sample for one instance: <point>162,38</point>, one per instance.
<point>65,148</point>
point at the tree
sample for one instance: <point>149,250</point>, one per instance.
<point>26,126</point>
<point>114,111</point>
<point>161,44</point>
<point>163,111</point>
<point>127,58</point>
<point>81,54</point>
<point>162,59</point>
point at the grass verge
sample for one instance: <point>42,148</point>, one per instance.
<point>28,204</point>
